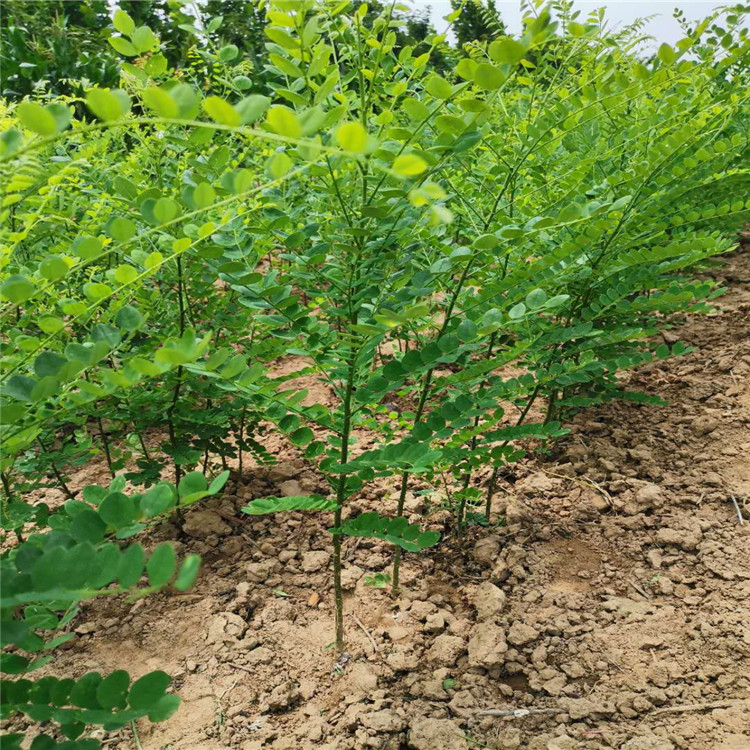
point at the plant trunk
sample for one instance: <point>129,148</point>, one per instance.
<point>338,515</point>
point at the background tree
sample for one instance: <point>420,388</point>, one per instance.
<point>479,21</point>
<point>60,46</point>
<point>163,17</point>
<point>243,24</point>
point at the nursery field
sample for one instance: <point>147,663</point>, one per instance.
<point>368,387</point>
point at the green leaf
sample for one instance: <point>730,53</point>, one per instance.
<point>10,141</point>
<point>466,68</point>
<point>96,292</point>
<point>409,165</point>
<point>19,387</point>
<point>83,693</point>
<point>506,51</point>
<point>228,52</point>
<point>132,563</point>
<point>106,334</point>
<point>666,54</point>
<point>489,77</point>
<point>161,103</point>
<point>536,299</point>
<point>156,65</point>
<point>121,229</point>
<point>284,121</point>
<point>129,318</point>
<point>188,573</point>
<point>161,565</point>
<point>352,136</point>
<point>144,40</point>
<point>448,343</point>
<point>467,330</point>
<point>36,118</point>
<point>164,708</point>
<point>486,242</point>
<point>252,107</point>
<point>53,268</point>
<point>279,165</point>
<point>192,482</point>
<point>13,663</point>
<point>204,195</point>
<point>108,105</point>
<point>17,289</point>
<point>94,493</point>
<point>88,527</point>
<point>302,436</point>
<point>165,209</point>
<point>87,248</point>
<point>117,510</point>
<point>123,22</point>
<point>416,109</point>
<point>262,505</point>
<point>48,364</point>
<point>517,311</point>
<point>145,692</point>
<point>243,181</point>
<point>242,82</point>
<point>218,482</point>
<point>159,498</point>
<point>187,101</point>
<point>61,113</point>
<point>123,46</point>
<point>222,112</point>
<point>397,531</point>
<point>439,87</point>
<point>112,691</point>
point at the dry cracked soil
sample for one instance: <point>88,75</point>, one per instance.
<point>611,611</point>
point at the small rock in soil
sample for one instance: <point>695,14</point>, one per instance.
<point>489,601</point>
<point>421,610</point>
<point>282,471</point>
<point>486,551</point>
<point>487,646</point>
<point>383,721</point>
<point>446,649</point>
<point>202,523</point>
<point>563,742</point>
<point>291,488</point>
<point>435,734</point>
<point>705,425</point>
<point>520,634</point>
<point>538,484</point>
<point>363,678</point>
<point>687,536</point>
<point>648,742</point>
<point>315,561</point>
<point>259,572</point>
<point>261,655</point>
<point>649,496</point>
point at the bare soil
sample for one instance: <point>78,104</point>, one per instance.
<point>616,600</point>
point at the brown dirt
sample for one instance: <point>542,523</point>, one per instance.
<point>622,590</point>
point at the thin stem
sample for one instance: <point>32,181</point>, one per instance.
<point>105,445</point>
<point>136,738</point>
<point>473,444</point>
<point>70,495</point>
<point>418,415</point>
<point>242,432</point>
<point>178,385</point>
<point>491,485</point>
<point>9,499</point>
<point>143,444</point>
